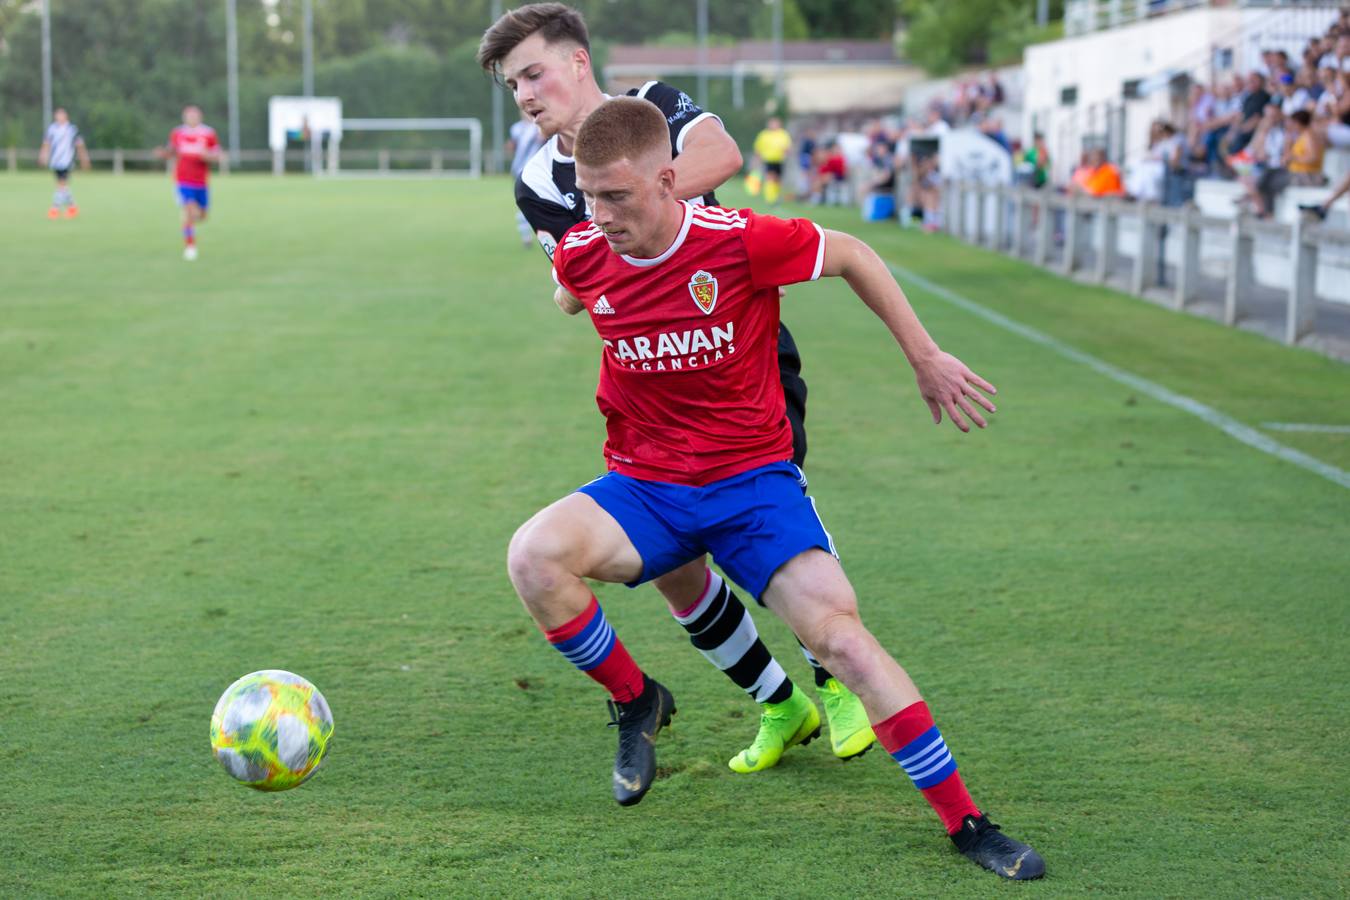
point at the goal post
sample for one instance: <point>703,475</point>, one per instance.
<point>459,155</point>
<point>333,145</point>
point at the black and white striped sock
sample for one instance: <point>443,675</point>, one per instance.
<point>721,629</point>
<point>821,673</point>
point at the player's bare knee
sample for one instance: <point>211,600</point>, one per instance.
<point>534,560</point>
<point>841,642</point>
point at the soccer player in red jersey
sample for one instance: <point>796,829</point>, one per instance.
<point>685,300</point>
<point>541,52</point>
<point>195,147</point>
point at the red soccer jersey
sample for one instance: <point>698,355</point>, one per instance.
<point>689,383</point>
<point>192,145</point>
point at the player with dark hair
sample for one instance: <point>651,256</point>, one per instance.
<point>541,52</point>
<point>699,450</point>
<point>195,147</point>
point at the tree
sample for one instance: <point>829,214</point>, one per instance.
<point>942,36</point>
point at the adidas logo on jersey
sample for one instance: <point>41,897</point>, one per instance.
<point>602,307</point>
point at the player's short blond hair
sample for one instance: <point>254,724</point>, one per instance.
<point>622,128</point>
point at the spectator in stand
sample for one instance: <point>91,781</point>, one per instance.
<point>992,128</point>
<point>1291,96</point>
<point>994,89</point>
<point>1200,110</point>
<point>1147,177</point>
<point>879,192</point>
<point>1262,155</point>
<point>925,191</point>
<point>1227,109</point>
<point>1097,177</point>
<point>1338,57</point>
<point>831,177</point>
<point>1034,168</point>
<point>934,124</point>
<point>1254,102</point>
<point>806,159</point>
<point>1329,81</point>
<point>1299,164</point>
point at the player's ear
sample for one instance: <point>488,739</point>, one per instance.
<point>665,177</point>
<point>581,62</point>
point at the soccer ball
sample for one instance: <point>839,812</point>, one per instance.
<point>270,730</point>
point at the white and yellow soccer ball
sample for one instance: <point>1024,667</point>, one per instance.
<point>270,730</point>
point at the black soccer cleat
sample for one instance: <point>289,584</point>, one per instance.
<point>982,841</point>
<point>1315,208</point>
<point>638,722</point>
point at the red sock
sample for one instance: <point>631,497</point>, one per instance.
<point>591,645</point>
<point>911,738</point>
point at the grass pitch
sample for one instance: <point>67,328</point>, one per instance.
<point>308,450</point>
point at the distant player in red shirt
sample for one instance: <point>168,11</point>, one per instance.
<point>195,147</point>
<point>685,301</point>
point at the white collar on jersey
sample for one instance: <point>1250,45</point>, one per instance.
<point>675,245</point>
<point>558,154</point>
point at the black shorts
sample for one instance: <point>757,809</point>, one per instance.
<point>774,168</point>
<point>794,391</point>
<point>61,174</point>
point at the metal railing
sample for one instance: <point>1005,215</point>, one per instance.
<point>1066,232</point>
<point>1086,16</point>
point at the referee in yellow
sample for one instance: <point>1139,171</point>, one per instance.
<point>771,147</point>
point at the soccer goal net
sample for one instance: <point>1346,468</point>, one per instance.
<point>312,132</point>
<point>406,147</point>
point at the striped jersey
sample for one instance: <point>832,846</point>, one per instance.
<point>689,371</point>
<point>546,190</point>
<point>61,138</point>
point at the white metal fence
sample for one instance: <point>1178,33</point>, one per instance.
<point>1154,251</point>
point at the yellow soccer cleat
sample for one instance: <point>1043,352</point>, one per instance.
<point>850,732</point>
<point>782,725</point>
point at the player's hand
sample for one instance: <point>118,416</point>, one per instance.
<point>946,383</point>
<point>566,302</point>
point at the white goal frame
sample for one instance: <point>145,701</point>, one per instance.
<point>474,127</point>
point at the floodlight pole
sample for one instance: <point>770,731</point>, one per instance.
<point>46,62</point>
<point>308,62</point>
<point>495,159</point>
<point>703,53</point>
<point>1042,13</point>
<point>778,52</point>
<point>232,74</point>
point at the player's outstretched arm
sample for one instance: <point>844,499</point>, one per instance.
<point>945,382</point>
<point>708,157</point>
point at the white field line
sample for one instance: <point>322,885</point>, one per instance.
<point>1233,428</point>
<point>1302,426</point>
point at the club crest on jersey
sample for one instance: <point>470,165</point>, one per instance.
<point>703,288</point>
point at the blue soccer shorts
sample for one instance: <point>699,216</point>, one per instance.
<point>189,194</point>
<point>751,523</point>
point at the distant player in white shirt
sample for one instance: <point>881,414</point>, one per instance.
<point>526,138</point>
<point>60,145</point>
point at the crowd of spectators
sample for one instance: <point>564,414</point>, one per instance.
<point>1267,129</point>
